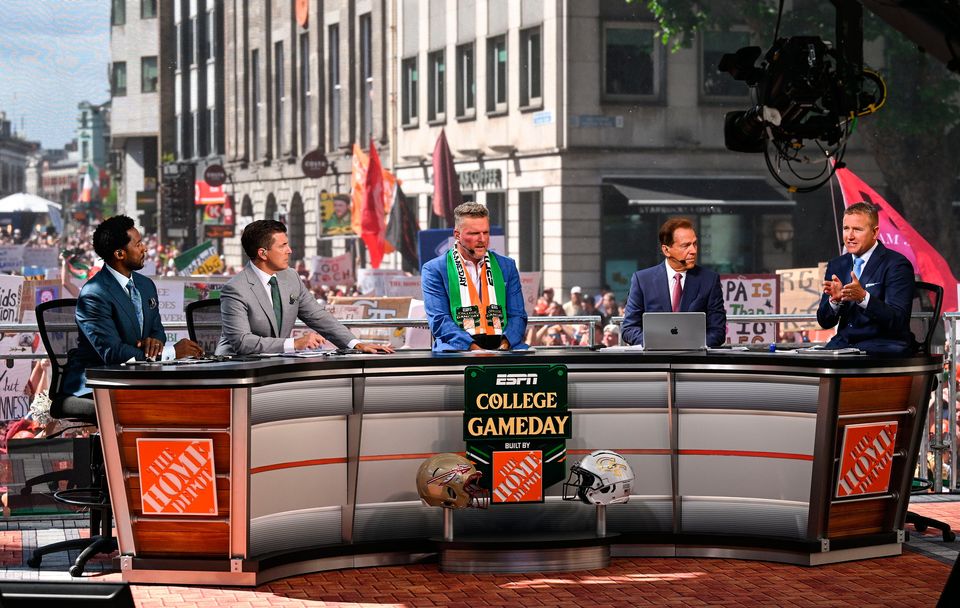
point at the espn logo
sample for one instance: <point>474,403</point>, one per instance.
<point>515,379</point>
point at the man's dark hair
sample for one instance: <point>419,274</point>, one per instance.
<point>866,209</point>
<point>111,235</point>
<point>258,235</point>
<point>670,226</point>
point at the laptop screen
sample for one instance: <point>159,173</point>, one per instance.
<point>674,331</point>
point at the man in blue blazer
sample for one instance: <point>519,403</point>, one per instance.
<point>867,292</point>
<point>117,312</point>
<point>677,285</point>
<point>472,296</point>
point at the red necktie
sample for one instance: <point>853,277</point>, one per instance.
<point>677,292</point>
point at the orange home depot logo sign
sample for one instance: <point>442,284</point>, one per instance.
<point>177,477</point>
<point>518,476</point>
<point>866,458</point>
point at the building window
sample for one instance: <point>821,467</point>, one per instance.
<point>118,12</point>
<point>497,207</point>
<point>718,85</point>
<point>531,68</point>
<point>119,80</point>
<point>333,55</point>
<point>466,82</point>
<point>366,77</point>
<point>211,36</point>
<point>437,86</point>
<point>148,74</point>
<point>211,131</point>
<point>409,79</point>
<point>178,133</point>
<point>148,9</point>
<point>178,49</point>
<point>279,97</point>
<point>531,230</point>
<point>497,74</point>
<point>188,49</point>
<point>305,95</point>
<point>195,135</point>
<point>84,151</point>
<point>255,103</point>
<point>631,62</point>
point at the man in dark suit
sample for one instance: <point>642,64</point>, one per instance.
<point>260,306</point>
<point>117,313</point>
<point>872,309</point>
<point>677,285</point>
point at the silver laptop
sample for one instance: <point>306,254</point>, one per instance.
<point>673,331</point>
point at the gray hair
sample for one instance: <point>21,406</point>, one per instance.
<point>469,210</point>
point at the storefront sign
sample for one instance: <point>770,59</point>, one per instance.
<point>750,294</point>
<point>515,424</point>
<point>866,458</point>
<point>314,164</point>
<point>481,179</point>
<point>218,232</point>
<point>177,476</point>
<point>215,175</point>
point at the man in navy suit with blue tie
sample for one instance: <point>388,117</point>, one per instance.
<point>867,292</point>
<point>117,313</point>
<point>677,285</point>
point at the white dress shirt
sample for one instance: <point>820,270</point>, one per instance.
<point>672,273</point>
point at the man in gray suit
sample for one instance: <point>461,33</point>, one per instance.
<point>260,305</point>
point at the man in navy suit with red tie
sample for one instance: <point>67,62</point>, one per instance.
<point>677,285</point>
<point>868,291</point>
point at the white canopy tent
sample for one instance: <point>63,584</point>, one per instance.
<point>30,203</point>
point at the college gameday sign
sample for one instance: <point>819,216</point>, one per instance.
<point>516,424</point>
<point>866,459</point>
<point>177,476</point>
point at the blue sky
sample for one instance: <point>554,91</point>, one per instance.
<point>53,55</point>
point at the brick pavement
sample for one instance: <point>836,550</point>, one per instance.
<point>914,579</point>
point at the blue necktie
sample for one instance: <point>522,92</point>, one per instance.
<point>137,304</point>
<point>857,266</point>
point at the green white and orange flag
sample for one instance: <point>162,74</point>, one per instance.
<point>90,187</point>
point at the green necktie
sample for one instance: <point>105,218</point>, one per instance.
<point>277,308</point>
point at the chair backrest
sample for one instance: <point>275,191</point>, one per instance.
<point>59,332</point>
<point>927,297</point>
<point>203,323</point>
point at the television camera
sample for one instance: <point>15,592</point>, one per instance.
<point>807,98</point>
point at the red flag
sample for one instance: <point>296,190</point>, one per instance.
<point>372,223</point>
<point>446,185</point>
<point>900,236</point>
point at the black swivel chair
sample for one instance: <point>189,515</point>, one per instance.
<point>96,498</point>
<point>930,297</point>
<point>203,323</point>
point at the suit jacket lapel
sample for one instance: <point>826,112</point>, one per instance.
<point>289,289</point>
<point>691,286</point>
<point>122,298</point>
<point>256,287</point>
<point>663,286</point>
<point>875,261</point>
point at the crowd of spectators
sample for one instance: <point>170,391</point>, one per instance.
<point>604,304</point>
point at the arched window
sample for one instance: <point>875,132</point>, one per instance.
<point>295,228</point>
<point>270,212</point>
<point>246,207</point>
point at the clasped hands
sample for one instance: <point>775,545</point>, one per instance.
<point>838,292</point>
<point>153,348</point>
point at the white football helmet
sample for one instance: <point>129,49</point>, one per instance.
<point>450,481</point>
<point>603,477</point>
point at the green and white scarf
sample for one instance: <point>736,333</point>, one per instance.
<point>476,315</point>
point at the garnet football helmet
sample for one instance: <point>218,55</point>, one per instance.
<point>603,477</point>
<point>450,480</point>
